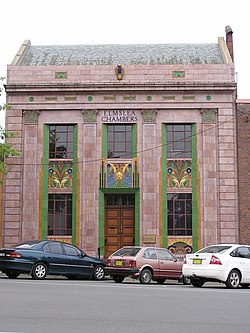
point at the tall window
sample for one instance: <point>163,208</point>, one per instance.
<point>61,141</point>
<point>119,141</point>
<point>60,214</point>
<point>179,141</point>
<point>180,214</point>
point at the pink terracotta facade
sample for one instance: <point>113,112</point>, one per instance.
<point>205,95</point>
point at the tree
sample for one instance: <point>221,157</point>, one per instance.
<point>6,150</point>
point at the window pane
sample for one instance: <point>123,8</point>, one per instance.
<point>119,141</point>
<point>60,214</point>
<point>61,141</point>
<point>179,141</point>
<point>179,214</point>
<point>56,248</point>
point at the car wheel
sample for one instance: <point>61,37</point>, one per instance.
<point>145,276</point>
<point>39,271</point>
<point>160,281</point>
<point>198,283</point>
<point>12,275</point>
<point>99,272</point>
<point>186,280</point>
<point>118,278</point>
<point>233,279</point>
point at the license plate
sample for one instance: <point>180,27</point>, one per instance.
<point>118,263</point>
<point>197,261</point>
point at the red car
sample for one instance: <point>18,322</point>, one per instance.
<point>143,263</point>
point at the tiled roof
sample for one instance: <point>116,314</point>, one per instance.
<point>121,54</point>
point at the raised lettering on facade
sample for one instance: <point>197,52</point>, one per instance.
<point>119,116</point>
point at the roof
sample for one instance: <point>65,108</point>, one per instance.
<point>108,54</point>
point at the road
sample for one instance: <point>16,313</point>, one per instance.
<point>66,306</point>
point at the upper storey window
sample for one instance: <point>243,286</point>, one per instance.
<point>119,141</point>
<point>179,141</point>
<point>61,141</point>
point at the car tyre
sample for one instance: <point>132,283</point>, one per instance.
<point>233,279</point>
<point>118,278</point>
<point>145,276</point>
<point>99,272</point>
<point>39,271</point>
<point>186,280</point>
<point>12,275</point>
<point>198,283</point>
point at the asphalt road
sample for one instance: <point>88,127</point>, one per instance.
<point>61,305</point>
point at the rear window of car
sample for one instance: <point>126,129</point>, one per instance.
<point>215,249</point>
<point>127,252</point>
<point>26,246</point>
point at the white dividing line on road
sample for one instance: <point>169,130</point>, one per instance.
<point>102,284</point>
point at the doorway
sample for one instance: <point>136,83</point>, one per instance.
<point>119,222</point>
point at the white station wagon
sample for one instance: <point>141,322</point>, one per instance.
<point>225,263</point>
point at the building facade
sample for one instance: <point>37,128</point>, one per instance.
<point>243,140</point>
<point>122,145</point>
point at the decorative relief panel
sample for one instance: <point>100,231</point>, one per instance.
<point>179,173</point>
<point>60,174</point>
<point>180,247</point>
<point>31,117</point>
<point>209,116</point>
<point>149,116</point>
<point>90,116</point>
<point>119,175</point>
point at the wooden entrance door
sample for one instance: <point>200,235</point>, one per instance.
<point>119,228</point>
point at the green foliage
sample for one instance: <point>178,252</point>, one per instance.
<point>6,150</point>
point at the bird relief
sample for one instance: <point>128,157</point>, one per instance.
<point>119,175</point>
<point>179,173</point>
<point>60,174</point>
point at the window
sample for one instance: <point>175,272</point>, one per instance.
<point>127,252</point>
<point>71,251</point>
<point>179,141</point>
<point>242,252</point>
<point>61,141</point>
<point>120,200</point>
<point>60,214</point>
<point>164,255</point>
<point>180,214</point>
<point>53,247</point>
<point>119,141</point>
<point>149,254</point>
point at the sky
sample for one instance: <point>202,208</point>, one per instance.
<point>76,22</point>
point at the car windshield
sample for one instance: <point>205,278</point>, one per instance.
<point>215,249</point>
<point>127,252</point>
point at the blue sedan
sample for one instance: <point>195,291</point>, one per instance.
<point>46,257</point>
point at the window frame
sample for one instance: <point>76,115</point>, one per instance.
<point>66,130</point>
<point>176,218</point>
<point>64,217</point>
<point>115,137</point>
<point>181,147</point>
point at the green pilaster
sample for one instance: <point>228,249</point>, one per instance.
<point>101,241</point>
<point>137,217</point>
<point>75,187</point>
<point>134,141</point>
<point>104,141</point>
<point>163,192</point>
<point>195,219</point>
<point>44,213</point>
